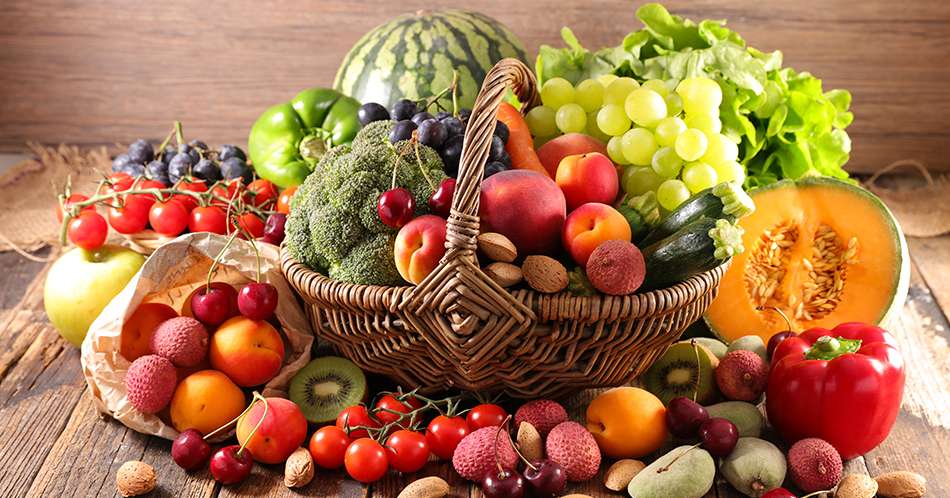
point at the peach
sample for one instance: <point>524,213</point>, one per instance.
<point>282,431</point>
<point>204,401</point>
<point>420,245</point>
<point>525,206</point>
<point>250,352</point>
<point>627,422</point>
<point>555,150</point>
<point>137,331</point>
<point>590,225</point>
<point>587,178</point>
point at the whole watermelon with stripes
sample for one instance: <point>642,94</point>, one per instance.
<point>414,55</point>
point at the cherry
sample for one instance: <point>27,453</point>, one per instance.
<point>212,306</point>
<point>274,228</point>
<point>779,493</point>
<point>257,300</point>
<point>684,416</point>
<point>545,478</point>
<point>441,201</point>
<point>190,450</point>
<point>396,207</point>
<point>719,436</point>
<point>503,484</point>
<point>777,339</point>
<point>231,465</point>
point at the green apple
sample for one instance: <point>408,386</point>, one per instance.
<point>81,283</point>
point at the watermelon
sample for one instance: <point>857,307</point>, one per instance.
<point>414,55</point>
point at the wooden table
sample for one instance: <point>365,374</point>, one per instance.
<point>53,443</point>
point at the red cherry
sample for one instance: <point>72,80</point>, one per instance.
<point>190,450</point>
<point>229,467</point>
<point>441,201</point>
<point>503,484</point>
<point>719,436</point>
<point>546,479</point>
<point>211,306</point>
<point>257,300</point>
<point>779,493</point>
<point>777,339</point>
<point>684,416</point>
<point>396,207</point>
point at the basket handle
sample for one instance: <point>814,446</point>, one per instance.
<point>462,228</point>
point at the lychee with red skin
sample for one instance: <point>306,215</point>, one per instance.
<point>742,375</point>
<point>572,446</point>
<point>182,340</point>
<point>543,414</point>
<point>616,267</point>
<point>474,456</point>
<point>150,383</point>
<point>814,465</point>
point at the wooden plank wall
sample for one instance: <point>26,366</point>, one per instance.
<point>103,71</point>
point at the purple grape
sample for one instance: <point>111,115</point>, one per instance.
<point>404,109</point>
<point>371,112</point>
<point>207,170</point>
<point>432,133</point>
<point>228,151</point>
<point>141,151</point>
<point>402,130</point>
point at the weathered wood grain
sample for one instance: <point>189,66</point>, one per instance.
<point>102,72</point>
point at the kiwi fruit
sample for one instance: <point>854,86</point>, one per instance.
<point>686,369</point>
<point>326,386</point>
<point>752,343</point>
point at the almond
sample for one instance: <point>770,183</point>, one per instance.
<point>497,247</point>
<point>902,484</point>
<point>530,442</point>
<point>544,274</point>
<point>856,486</point>
<point>135,478</point>
<point>621,473</point>
<point>298,470</point>
<point>504,274</point>
<point>427,487</point>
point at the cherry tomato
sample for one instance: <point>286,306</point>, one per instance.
<point>261,192</point>
<point>118,182</point>
<point>485,415</point>
<point>407,451</point>
<point>168,218</point>
<point>226,192</point>
<point>389,402</point>
<point>208,219</point>
<point>444,434</point>
<point>355,416</point>
<point>250,223</point>
<point>191,185</point>
<point>366,460</point>
<point>88,231</point>
<point>146,183</point>
<point>132,217</point>
<point>73,199</point>
<point>283,202</point>
<point>328,447</point>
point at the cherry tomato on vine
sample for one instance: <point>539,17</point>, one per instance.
<point>389,402</point>
<point>132,217</point>
<point>485,415</point>
<point>366,460</point>
<point>168,218</point>
<point>283,202</point>
<point>444,433</point>
<point>328,447</point>
<point>407,451</point>
<point>208,219</point>
<point>146,183</point>
<point>250,223</point>
<point>88,231</point>
<point>118,182</point>
<point>226,192</point>
<point>68,203</point>
<point>261,192</point>
<point>356,416</point>
<point>190,185</point>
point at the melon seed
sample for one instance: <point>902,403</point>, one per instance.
<point>754,467</point>
<point>684,472</point>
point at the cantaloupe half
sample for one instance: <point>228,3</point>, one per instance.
<point>823,251</point>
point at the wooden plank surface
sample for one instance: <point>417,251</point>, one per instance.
<point>111,71</point>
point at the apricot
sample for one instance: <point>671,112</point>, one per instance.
<point>204,401</point>
<point>250,352</point>
<point>555,150</point>
<point>419,246</point>
<point>282,431</point>
<point>627,422</point>
<point>587,178</point>
<point>137,331</point>
<point>591,225</point>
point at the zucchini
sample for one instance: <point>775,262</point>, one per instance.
<point>641,212</point>
<point>701,245</point>
<point>724,201</point>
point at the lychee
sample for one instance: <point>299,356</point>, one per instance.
<point>150,383</point>
<point>814,465</point>
<point>543,414</point>
<point>474,456</point>
<point>183,340</point>
<point>742,375</point>
<point>573,447</point>
<point>616,267</point>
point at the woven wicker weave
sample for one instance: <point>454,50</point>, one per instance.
<point>459,329</point>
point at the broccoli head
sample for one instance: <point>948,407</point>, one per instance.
<point>333,225</point>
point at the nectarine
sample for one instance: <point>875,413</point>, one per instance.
<point>591,225</point>
<point>282,431</point>
<point>525,206</point>
<point>250,352</point>
<point>587,178</point>
<point>555,150</point>
<point>420,245</point>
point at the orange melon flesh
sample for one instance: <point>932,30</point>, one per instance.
<point>874,282</point>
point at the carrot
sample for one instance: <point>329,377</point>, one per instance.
<point>520,144</point>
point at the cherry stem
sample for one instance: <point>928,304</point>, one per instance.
<point>497,434</point>
<point>260,422</point>
<point>235,419</point>
<point>788,323</point>
<point>667,466</point>
<point>216,260</point>
<point>521,455</point>
<point>816,493</point>
<point>422,167</point>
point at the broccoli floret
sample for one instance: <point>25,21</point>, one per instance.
<point>333,225</point>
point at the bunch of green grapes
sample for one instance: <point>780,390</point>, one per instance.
<point>666,135</point>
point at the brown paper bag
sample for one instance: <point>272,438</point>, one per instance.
<point>169,276</point>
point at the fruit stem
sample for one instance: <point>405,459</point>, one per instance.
<point>521,455</point>
<point>788,323</point>
<point>667,466</point>
<point>817,493</point>
<point>455,87</point>
<point>216,260</point>
<point>168,138</point>
<point>179,136</point>
<point>260,422</point>
<point>235,419</point>
<point>497,434</point>
<point>699,366</point>
<point>422,167</point>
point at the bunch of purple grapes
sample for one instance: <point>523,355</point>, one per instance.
<point>194,158</point>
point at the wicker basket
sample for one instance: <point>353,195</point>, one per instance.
<point>459,329</point>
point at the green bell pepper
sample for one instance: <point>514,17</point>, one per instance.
<point>288,139</point>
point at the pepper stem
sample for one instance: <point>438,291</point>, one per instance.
<point>829,348</point>
<point>313,147</point>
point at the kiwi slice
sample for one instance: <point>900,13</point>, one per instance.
<point>684,370</point>
<point>326,386</point>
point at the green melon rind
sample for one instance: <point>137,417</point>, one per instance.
<point>903,277</point>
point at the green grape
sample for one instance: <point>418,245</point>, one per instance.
<point>658,86</point>
<point>556,92</point>
<point>668,129</point>
<point>589,94</point>
<point>616,92</point>
<point>699,93</point>
<point>613,120</point>
<point>541,121</point>
<point>674,104</point>
<point>607,79</point>
<point>691,144</point>
<point>706,122</point>
<point>666,163</point>
<point>730,171</point>
<point>571,118</point>
<point>720,150</point>
<point>671,193</point>
<point>615,150</point>
<point>645,107</point>
<point>699,176</point>
<point>637,180</point>
<point>639,146</point>
<point>594,130</point>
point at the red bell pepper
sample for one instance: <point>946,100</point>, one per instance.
<point>842,385</point>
